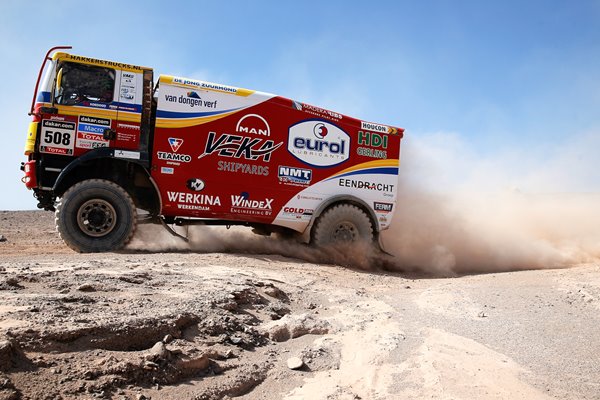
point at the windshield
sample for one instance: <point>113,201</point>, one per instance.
<point>79,83</point>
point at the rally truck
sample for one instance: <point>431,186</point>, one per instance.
<point>110,146</point>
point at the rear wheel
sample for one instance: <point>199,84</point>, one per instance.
<point>96,215</point>
<point>343,223</point>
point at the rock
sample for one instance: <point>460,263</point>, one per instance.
<point>86,287</point>
<point>293,326</point>
<point>8,354</point>
<point>235,340</point>
<point>167,339</point>
<point>295,363</point>
<point>3,238</point>
<point>275,292</point>
<point>195,363</point>
<point>159,351</point>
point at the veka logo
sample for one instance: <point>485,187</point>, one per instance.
<point>239,147</point>
<point>175,144</point>
<point>318,143</point>
<point>253,124</point>
<point>195,184</point>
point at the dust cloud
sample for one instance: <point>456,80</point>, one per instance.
<point>459,212</point>
<point>456,213</point>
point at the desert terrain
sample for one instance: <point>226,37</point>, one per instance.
<point>236,315</point>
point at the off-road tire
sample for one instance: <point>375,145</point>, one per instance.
<point>96,215</point>
<point>343,223</point>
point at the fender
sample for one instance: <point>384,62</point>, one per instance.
<point>136,157</point>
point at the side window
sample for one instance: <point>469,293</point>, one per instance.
<point>78,83</point>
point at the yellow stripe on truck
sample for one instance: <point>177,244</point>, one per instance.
<point>201,85</point>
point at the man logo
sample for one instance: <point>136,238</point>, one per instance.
<point>253,124</point>
<point>175,143</point>
<point>195,184</point>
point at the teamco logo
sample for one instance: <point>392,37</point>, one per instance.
<point>318,143</point>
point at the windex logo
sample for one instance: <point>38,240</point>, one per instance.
<point>227,145</point>
<point>175,143</point>
<point>243,201</point>
<point>253,124</point>
<point>295,175</point>
<point>195,184</point>
<point>319,143</point>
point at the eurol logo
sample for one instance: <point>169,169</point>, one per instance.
<point>318,143</point>
<point>175,144</point>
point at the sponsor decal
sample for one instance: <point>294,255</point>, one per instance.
<point>87,141</point>
<point>293,175</point>
<point>193,201</point>
<point>58,137</point>
<point>253,124</point>
<point>236,167</point>
<point>235,146</point>
<point>309,197</point>
<point>383,207</point>
<point>373,153</point>
<point>175,143</point>
<point>320,112</point>
<point>242,204</point>
<point>356,184</point>
<point>297,213</point>
<point>372,139</point>
<point>167,170</point>
<point>318,143</point>
<point>205,85</point>
<point>375,127</point>
<point>191,99</point>
<point>90,131</point>
<point>126,137</point>
<point>173,158</point>
<point>134,155</point>
<point>195,184</point>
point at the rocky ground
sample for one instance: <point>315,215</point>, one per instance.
<point>260,319</point>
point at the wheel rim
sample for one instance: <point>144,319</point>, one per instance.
<point>96,217</point>
<point>345,232</point>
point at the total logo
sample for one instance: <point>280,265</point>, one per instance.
<point>253,124</point>
<point>318,143</point>
<point>175,143</point>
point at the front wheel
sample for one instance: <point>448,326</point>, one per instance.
<point>343,223</point>
<point>96,215</point>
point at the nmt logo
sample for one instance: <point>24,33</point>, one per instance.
<point>318,143</point>
<point>294,175</point>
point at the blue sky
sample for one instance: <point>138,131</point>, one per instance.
<point>501,91</point>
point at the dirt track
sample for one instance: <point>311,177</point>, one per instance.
<point>212,325</point>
